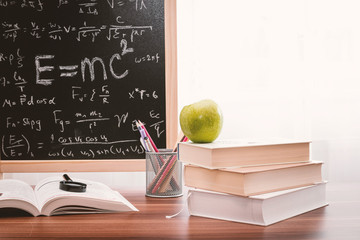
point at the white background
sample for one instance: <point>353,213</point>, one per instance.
<point>277,68</point>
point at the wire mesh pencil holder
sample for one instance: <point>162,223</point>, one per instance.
<point>163,174</point>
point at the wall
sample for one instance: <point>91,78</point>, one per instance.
<point>285,69</point>
<point>278,68</point>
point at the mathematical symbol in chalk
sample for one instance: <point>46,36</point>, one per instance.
<point>70,69</point>
<point>40,145</point>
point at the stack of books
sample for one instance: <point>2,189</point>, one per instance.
<point>251,182</point>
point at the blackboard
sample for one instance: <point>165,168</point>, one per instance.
<point>74,75</point>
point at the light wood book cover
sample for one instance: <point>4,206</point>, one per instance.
<point>263,210</point>
<point>249,181</point>
<point>222,154</point>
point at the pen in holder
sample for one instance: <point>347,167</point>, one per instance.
<point>163,174</point>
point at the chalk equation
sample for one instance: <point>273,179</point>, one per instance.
<point>17,146</point>
<point>55,31</point>
<point>89,7</point>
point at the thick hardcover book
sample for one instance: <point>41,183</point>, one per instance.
<point>220,154</point>
<point>262,209</point>
<point>247,181</point>
<point>47,199</point>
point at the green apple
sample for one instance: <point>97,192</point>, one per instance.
<point>202,121</point>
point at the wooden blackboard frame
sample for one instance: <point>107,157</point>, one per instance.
<point>123,165</point>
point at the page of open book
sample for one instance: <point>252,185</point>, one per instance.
<point>48,191</point>
<point>18,194</point>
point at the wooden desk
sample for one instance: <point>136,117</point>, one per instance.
<point>339,220</point>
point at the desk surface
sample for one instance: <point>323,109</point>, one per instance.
<point>339,220</point>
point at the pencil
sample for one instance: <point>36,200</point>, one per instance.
<point>162,162</point>
<point>148,144</point>
<point>183,139</point>
<point>164,187</point>
<point>158,176</point>
<point>148,135</point>
<point>165,173</point>
<point>180,138</point>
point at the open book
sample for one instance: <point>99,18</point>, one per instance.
<point>47,199</point>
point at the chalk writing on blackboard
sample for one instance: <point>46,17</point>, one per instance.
<point>75,75</point>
